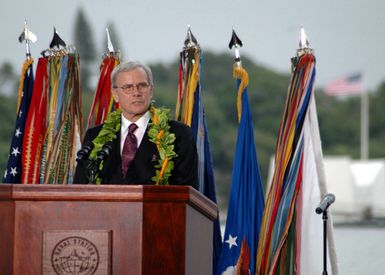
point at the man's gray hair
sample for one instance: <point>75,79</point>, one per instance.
<point>129,66</point>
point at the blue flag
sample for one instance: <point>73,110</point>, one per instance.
<point>205,170</point>
<point>189,110</point>
<point>206,173</point>
<point>12,173</point>
<point>246,204</point>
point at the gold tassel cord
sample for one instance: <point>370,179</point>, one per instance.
<point>240,73</point>
<point>26,65</point>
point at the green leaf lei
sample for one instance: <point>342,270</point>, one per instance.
<point>108,133</point>
<point>159,133</point>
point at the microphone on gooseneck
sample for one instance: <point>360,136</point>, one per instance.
<point>93,169</point>
<point>105,152</point>
<point>325,203</point>
<point>85,151</point>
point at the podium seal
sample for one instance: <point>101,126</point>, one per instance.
<point>75,255</point>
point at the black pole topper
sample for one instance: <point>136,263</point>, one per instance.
<point>236,43</point>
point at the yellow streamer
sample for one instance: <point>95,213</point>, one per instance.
<point>191,87</point>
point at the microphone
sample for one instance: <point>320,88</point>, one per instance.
<point>93,167</point>
<point>105,152</point>
<point>325,203</point>
<point>85,151</point>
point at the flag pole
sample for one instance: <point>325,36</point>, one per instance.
<point>27,36</point>
<point>364,124</point>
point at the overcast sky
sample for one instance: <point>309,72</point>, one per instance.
<point>347,35</point>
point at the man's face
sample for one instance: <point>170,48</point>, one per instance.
<point>133,92</point>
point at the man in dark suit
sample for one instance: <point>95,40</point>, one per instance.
<point>132,88</point>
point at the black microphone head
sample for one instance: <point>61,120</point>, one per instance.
<point>108,145</point>
<point>85,151</point>
<point>105,151</point>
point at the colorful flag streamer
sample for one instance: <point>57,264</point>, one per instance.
<point>246,201</point>
<point>189,110</point>
<point>14,167</point>
<point>103,102</point>
<point>36,125</point>
<point>291,231</point>
<point>65,123</point>
<point>53,131</point>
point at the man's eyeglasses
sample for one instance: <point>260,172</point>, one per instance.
<point>130,88</point>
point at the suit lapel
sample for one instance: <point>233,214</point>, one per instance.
<point>142,168</point>
<point>147,151</point>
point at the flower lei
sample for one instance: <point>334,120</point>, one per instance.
<point>159,133</point>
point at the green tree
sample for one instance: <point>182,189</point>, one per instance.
<point>339,122</point>
<point>8,79</point>
<point>377,123</point>
<point>7,120</point>
<point>84,42</point>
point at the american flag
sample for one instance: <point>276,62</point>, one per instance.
<point>12,173</point>
<point>348,85</point>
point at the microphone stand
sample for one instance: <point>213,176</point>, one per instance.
<point>92,171</point>
<point>325,219</point>
<point>83,155</point>
<point>93,167</point>
<point>322,208</point>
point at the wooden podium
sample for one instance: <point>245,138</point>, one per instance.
<point>105,229</point>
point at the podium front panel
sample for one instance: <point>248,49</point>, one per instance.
<point>37,218</point>
<point>53,229</point>
<point>7,211</point>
